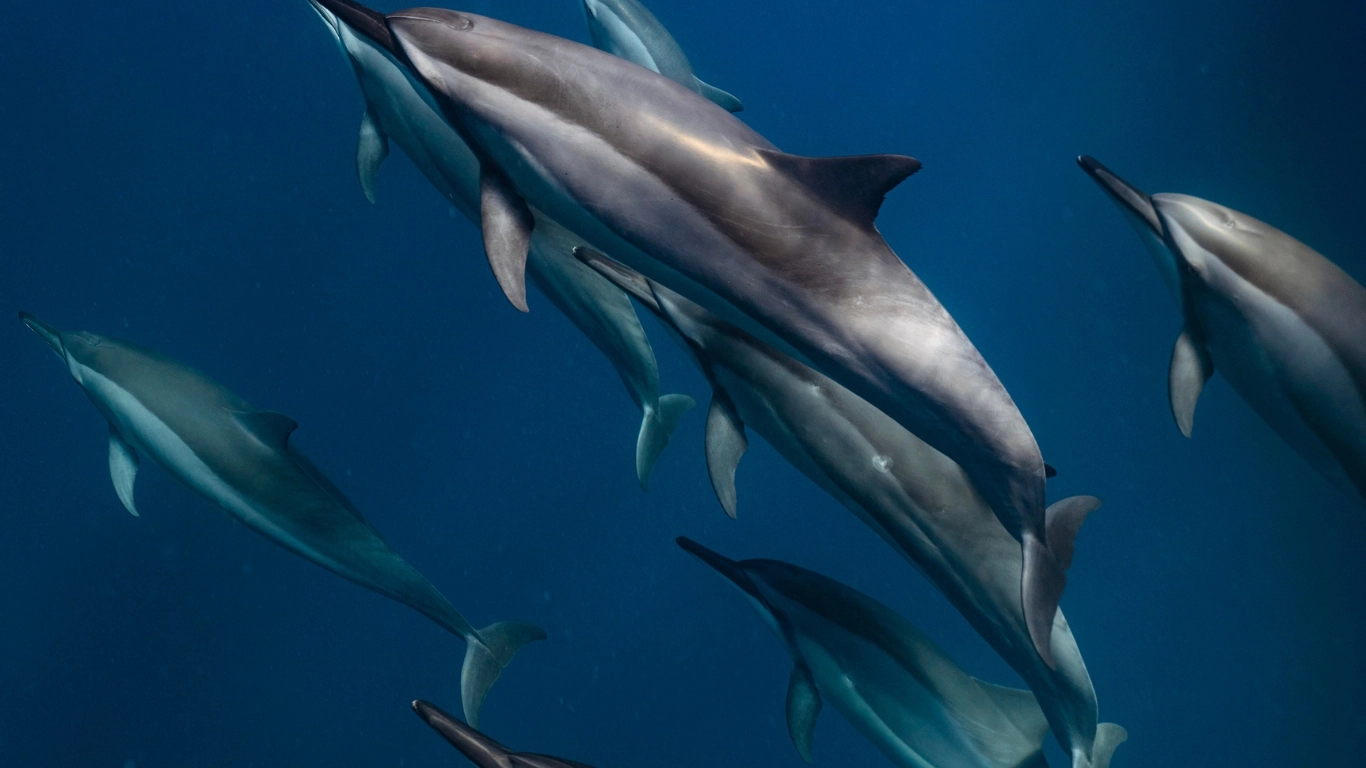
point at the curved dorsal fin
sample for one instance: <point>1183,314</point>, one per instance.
<point>271,428</point>
<point>854,186</point>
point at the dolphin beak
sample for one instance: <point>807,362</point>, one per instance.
<point>51,335</point>
<point>722,565</point>
<point>1129,197</point>
<point>369,23</point>
<point>480,749</point>
<point>632,282</point>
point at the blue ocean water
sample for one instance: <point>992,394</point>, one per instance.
<point>181,175</point>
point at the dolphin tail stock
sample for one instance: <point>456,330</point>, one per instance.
<point>718,97</point>
<point>1045,568</point>
<point>1108,737</point>
<point>656,427</point>
<point>485,656</point>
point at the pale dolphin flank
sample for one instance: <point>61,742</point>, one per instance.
<point>1284,325</point>
<point>914,497</point>
<point>399,107</point>
<point>627,29</point>
<point>887,678</point>
<point>480,749</point>
<point>675,187</point>
<point>242,460</point>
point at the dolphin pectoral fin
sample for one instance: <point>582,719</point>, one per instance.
<point>123,469</point>
<point>803,706</point>
<point>854,186</point>
<point>1062,522</point>
<point>1041,589</point>
<point>718,97</point>
<point>1190,368</point>
<point>506,223</point>
<point>371,148</point>
<point>1108,736</point>
<point>270,428</point>
<point>485,657</point>
<point>656,427</point>
<point>725,444</point>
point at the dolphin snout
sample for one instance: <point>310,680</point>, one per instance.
<point>47,333</point>
<point>1129,197</point>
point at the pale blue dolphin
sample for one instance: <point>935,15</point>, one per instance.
<point>242,460</point>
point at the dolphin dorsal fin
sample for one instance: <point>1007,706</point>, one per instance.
<point>725,444</point>
<point>803,706</point>
<point>855,186</point>
<point>271,428</point>
<point>123,468</point>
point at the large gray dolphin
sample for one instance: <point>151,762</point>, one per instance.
<point>887,678</point>
<point>480,749</point>
<point>914,497</point>
<point>242,460</point>
<point>626,28</point>
<point>1286,326</point>
<point>399,107</point>
<point>672,185</point>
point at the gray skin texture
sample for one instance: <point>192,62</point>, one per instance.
<point>241,459</point>
<point>627,29</point>
<point>886,677</point>
<point>680,190</point>
<point>400,108</point>
<point>917,499</point>
<point>480,749</point>
<point>1283,324</point>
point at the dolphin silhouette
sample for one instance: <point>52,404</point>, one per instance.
<point>399,107</point>
<point>627,29</point>
<point>1286,326</point>
<point>242,460</point>
<point>480,749</point>
<point>914,497</point>
<point>886,677</point>
<point>784,246</point>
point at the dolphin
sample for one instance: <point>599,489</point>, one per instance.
<point>784,246</point>
<point>627,29</point>
<point>914,497</point>
<point>399,107</point>
<point>480,749</point>
<point>887,678</point>
<point>1285,325</point>
<point>242,460</point>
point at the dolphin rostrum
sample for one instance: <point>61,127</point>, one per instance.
<point>1286,326</point>
<point>480,749</point>
<point>399,107</point>
<point>888,679</point>
<point>914,497</point>
<point>785,246</point>
<point>242,460</point>
<point>626,28</point>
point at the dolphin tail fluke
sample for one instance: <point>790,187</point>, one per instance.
<point>1045,567</point>
<point>1108,736</point>
<point>719,97</point>
<point>656,427</point>
<point>485,657</point>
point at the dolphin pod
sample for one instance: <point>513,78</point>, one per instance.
<point>1284,325</point>
<point>914,497</point>
<point>399,107</point>
<point>888,679</point>
<point>242,460</point>
<point>673,186</point>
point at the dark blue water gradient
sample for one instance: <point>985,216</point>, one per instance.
<point>181,174</point>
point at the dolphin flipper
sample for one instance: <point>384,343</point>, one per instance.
<point>372,146</point>
<point>1190,368</point>
<point>485,657</point>
<point>719,97</point>
<point>803,706</point>
<point>725,444</point>
<point>123,468</point>
<point>656,427</point>
<point>506,223</point>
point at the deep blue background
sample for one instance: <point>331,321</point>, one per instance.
<point>181,174</point>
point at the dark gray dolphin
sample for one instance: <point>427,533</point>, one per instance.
<point>480,749</point>
<point>1286,326</point>
<point>886,677</point>
<point>626,28</point>
<point>784,246</point>
<point>242,460</point>
<point>914,497</point>
<point>399,107</point>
